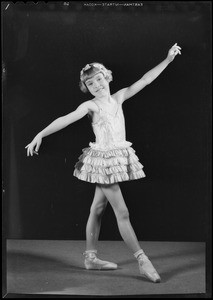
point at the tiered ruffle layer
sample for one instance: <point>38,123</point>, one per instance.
<point>109,166</point>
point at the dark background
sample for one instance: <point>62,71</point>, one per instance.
<point>44,48</point>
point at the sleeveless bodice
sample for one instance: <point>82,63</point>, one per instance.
<point>110,159</point>
<point>110,130</point>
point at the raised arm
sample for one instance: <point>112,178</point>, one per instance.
<point>66,120</point>
<point>57,125</point>
<point>148,77</point>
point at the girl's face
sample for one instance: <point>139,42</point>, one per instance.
<point>98,86</point>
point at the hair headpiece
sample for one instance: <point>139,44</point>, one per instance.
<point>93,68</point>
<point>95,65</point>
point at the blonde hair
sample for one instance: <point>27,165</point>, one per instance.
<point>91,70</point>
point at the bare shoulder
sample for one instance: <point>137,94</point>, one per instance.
<point>90,105</point>
<point>119,95</point>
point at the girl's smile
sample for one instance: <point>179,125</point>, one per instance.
<point>97,85</point>
<point>99,89</point>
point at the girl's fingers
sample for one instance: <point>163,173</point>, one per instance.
<point>175,50</point>
<point>30,149</point>
<point>36,150</point>
<point>175,46</point>
<point>29,152</point>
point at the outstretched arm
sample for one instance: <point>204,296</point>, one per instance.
<point>148,77</point>
<point>57,125</point>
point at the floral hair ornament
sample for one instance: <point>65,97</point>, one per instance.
<point>95,65</point>
<point>85,68</point>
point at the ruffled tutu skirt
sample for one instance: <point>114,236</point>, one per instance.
<point>108,166</point>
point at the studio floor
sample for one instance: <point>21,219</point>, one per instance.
<point>56,267</point>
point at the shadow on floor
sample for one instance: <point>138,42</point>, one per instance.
<point>37,273</point>
<point>33,273</point>
<point>181,257</point>
<point>37,262</point>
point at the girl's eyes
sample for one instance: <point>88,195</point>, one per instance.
<point>98,79</point>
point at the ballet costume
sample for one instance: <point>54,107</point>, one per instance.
<point>111,158</point>
<point>108,160</point>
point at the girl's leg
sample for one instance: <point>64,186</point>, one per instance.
<point>92,233</point>
<point>94,221</point>
<point>114,196</point>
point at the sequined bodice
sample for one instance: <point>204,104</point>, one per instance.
<point>110,130</point>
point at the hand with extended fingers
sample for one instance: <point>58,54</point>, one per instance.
<point>36,142</point>
<point>173,52</point>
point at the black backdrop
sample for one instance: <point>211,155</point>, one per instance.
<point>44,48</point>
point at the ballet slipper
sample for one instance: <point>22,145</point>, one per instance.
<point>147,270</point>
<point>91,262</point>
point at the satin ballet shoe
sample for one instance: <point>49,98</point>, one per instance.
<point>91,262</point>
<point>147,270</point>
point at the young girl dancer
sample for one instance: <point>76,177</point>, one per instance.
<point>109,160</point>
